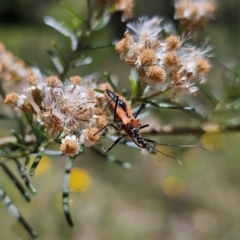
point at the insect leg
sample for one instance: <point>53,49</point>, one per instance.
<point>109,124</point>
<point>139,110</point>
<point>144,126</point>
<point>151,141</point>
<point>109,103</point>
<point>113,144</point>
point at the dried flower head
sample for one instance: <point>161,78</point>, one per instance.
<point>104,86</point>
<point>12,69</point>
<point>19,101</point>
<point>66,109</point>
<point>15,99</point>
<point>70,145</point>
<point>53,81</point>
<point>155,75</point>
<point>126,7</point>
<point>158,59</point>
<point>89,136</point>
<point>194,13</point>
<point>71,107</point>
<point>33,80</point>
<point>145,30</point>
<point>76,80</point>
<point>173,43</point>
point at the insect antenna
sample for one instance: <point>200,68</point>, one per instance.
<point>170,145</point>
<point>181,146</point>
<point>165,154</point>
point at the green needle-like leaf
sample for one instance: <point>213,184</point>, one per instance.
<point>35,163</point>
<point>133,84</point>
<point>99,24</point>
<point>50,21</point>
<point>110,81</point>
<point>56,61</point>
<point>17,183</point>
<point>65,192</point>
<point>82,61</point>
<point>16,213</point>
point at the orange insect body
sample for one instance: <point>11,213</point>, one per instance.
<point>123,112</point>
<point>124,120</point>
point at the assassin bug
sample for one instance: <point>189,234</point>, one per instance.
<point>125,120</point>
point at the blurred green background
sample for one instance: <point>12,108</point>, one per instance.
<point>157,199</point>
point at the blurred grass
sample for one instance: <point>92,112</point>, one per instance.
<point>157,199</point>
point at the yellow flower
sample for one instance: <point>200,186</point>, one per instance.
<point>80,180</point>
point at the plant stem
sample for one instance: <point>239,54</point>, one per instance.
<point>89,14</point>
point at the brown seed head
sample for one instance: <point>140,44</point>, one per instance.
<point>171,59</point>
<point>147,57</point>
<point>12,98</point>
<point>156,73</point>
<point>76,80</point>
<point>123,45</point>
<point>101,121</point>
<point>53,81</point>
<point>203,65</point>
<point>173,43</point>
<point>32,80</point>
<point>69,146</point>
<point>104,86</point>
<point>125,6</point>
<point>91,134</point>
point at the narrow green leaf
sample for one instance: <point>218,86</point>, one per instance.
<point>35,163</point>
<point>17,183</point>
<point>110,81</point>
<point>50,21</point>
<point>21,170</point>
<point>72,11</point>
<point>16,213</point>
<point>58,52</point>
<point>53,152</point>
<point>18,145</point>
<point>65,191</point>
<point>234,105</point>
<point>17,136</point>
<point>29,117</point>
<point>4,117</point>
<point>27,160</point>
<point>98,91</point>
<point>56,61</point>
<point>82,61</point>
<point>40,135</point>
<point>22,127</point>
<point>113,159</point>
<point>99,24</point>
<point>169,106</point>
<point>133,84</point>
<point>97,46</point>
<point>209,95</point>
